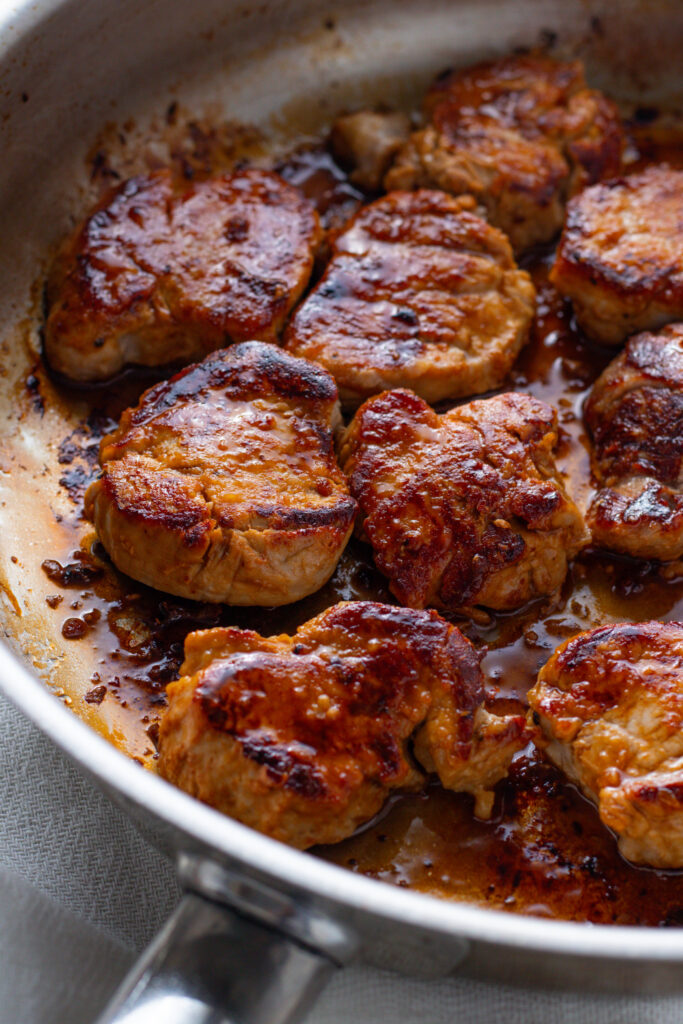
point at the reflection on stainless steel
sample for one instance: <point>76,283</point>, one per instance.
<point>182,976</point>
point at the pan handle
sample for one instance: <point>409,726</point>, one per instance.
<point>211,965</point>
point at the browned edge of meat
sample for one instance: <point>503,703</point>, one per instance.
<point>222,484</point>
<point>620,257</point>
<point>305,737</point>
<point>465,508</point>
<point>521,134</point>
<point>635,415</point>
<point>157,274</point>
<point>609,710</point>
<point>420,292</point>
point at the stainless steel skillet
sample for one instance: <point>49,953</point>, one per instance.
<point>261,925</point>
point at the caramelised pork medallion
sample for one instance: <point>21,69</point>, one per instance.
<point>420,292</point>
<point>305,737</point>
<point>609,704</point>
<point>635,414</point>
<point>521,134</point>
<point>465,508</point>
<point>157,274</point>
<point>222,483</point>
<point>620,258</point>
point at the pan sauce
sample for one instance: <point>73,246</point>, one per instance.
<point>545,851</point>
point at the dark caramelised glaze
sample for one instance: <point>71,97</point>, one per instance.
<point>464,508</point>
<point>421,293</point>
<point>620,257</point>
<point>520,134</point>
<point>316,173</point>
<point>544,851</point>
<point>222,484</point>
<point>635,414</point>
<point>304,737</point>
<point>159,273</point>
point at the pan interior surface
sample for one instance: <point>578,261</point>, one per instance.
<point>78,81</point>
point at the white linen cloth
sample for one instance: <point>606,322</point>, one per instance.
<point>81,893</point>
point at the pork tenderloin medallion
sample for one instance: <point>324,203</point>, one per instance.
<point>421,293</point>
<point>305,737</point>
<point>609,707</point>
<point>620,258</point>
<point>465,508</point>
<point>222,483</point>
<point>156,274</point>
<point>635,415</point>
<point>520,134</point>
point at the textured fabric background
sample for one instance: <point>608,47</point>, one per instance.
<point>81,893</point>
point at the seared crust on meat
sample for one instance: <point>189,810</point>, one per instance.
<point>466,508</point>
<point>222,483</point>
<point>155,275</point>
<point>521,134</point>
<point>420,293</point>
<point>609,704</point>
<point>620,258</point>
<point>304,737</point>
<point>635,414</point>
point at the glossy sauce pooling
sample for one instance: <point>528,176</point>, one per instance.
<point>544,851</point>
